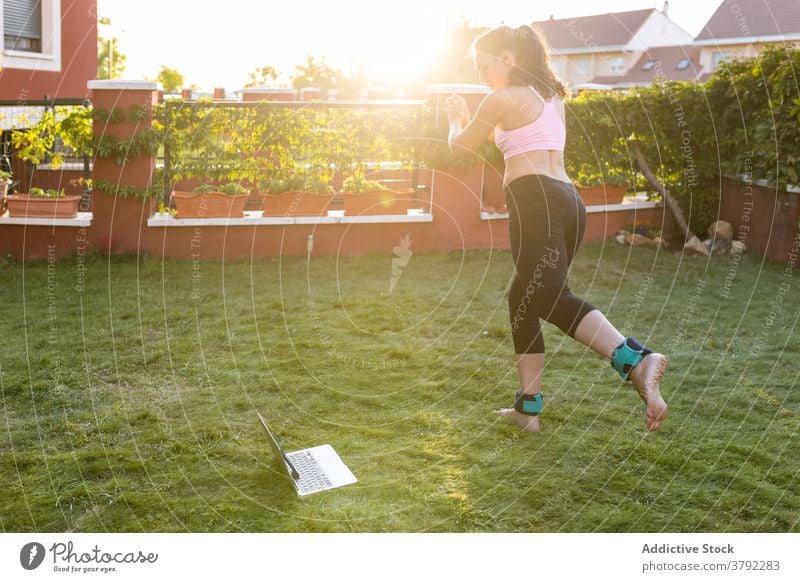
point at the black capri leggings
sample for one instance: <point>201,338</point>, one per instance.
<point>547,219</point>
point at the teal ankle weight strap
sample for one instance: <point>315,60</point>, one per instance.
<point>530,404</point>
<point>627,355</point>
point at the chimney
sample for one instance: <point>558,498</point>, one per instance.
<point>219,92</point>
<point>665,10</point>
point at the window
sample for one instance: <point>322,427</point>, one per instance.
<point>648,66</point>
<point>582,67</point>
<point>32,34</point>
<point>22,25</point>
<point>617,65</point>
<point>684,64</point>
<point>718,57</point>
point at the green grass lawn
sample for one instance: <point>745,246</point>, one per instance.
<point>130,405</point>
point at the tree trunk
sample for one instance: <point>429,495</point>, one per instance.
<point>671,202</point>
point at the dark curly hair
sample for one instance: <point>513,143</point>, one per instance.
<point>532,53</point>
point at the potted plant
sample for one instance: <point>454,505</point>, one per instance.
<point>362,196</point>
<point>40,203</point>
<point>211,201</point>
<point>298,196</point>
<point>608,187</point>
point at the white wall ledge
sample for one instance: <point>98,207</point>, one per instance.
<point>256,217</point>
<point>82,220</point>
<point>124,84</point>
<point>763,183</point>
<point>638,203</point>
<point>494,215</point>
<point>634,204</point>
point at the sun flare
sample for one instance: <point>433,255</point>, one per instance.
<point>398,59</point>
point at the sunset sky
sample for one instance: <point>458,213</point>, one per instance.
<point>216,45</point>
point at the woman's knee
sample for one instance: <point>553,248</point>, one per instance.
<point>547,300</point>
<point>563,309</point>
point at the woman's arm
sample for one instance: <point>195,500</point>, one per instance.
<point>471,136</point>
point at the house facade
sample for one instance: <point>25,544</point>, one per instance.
<point>666,63</point>
<point>641,47</point>
<point>743,29</point>
<point>607,45</point>
<point>49,48</point>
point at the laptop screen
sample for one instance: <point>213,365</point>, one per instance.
<point>284,463</point>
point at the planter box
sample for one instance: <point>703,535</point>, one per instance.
<point>208,205</point>
<point>25,205</point>
<point>377,202</point>
<point>297,204</point>
<point>602,194</point>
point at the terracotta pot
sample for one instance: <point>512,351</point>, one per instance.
<point>208,205</point>
<point>602,194</point>
<point>377,202</point>
<point>297,203</point>
<point>25,205</point>
<point>254,202</point>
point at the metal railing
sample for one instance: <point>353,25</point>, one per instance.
<point>16,115</point>
<point>168,182</point>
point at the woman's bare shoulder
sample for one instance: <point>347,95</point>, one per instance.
<point>497,101</point>
<point>496,95</point>
<point>505,99</point>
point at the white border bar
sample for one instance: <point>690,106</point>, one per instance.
<point>400,557</point>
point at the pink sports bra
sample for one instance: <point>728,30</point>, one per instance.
<point>546,132</point>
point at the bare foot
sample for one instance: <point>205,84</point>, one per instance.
<point>646,377</point>
<point>526,422</point>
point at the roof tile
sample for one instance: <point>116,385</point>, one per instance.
<point>599,30</point>
<point>753,18</point>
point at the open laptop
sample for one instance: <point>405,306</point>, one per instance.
<point>310,470</point>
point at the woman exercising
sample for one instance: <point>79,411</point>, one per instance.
<point>546,218</point>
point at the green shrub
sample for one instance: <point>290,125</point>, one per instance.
<point>357,182</point>
<point>290,184</point>
<point>744,119</point>
<point>317,184</point>
<point>234,189</point>
<point>231,188</point>
<point>49,193</point>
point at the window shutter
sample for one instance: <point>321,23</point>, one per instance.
<point>22,18</point>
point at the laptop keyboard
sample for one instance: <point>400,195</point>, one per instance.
<point>312,478</point>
